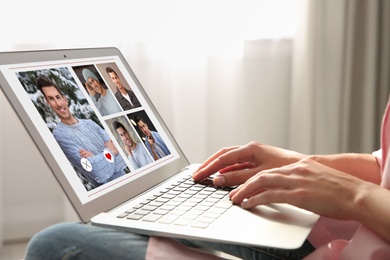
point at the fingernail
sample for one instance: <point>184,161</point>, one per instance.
<point>220,180</point>
<point>244,203</point>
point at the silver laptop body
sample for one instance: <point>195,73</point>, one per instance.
<point>140,184</point>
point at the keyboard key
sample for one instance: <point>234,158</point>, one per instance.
<point>173,192</point>
<point>138,206</point>
<point>183,222</point>
<point>184,203</point>
<point>211,200</point>
<point>156,203</point>
<point>130,210</point>
<point>201,207</point>
<point>178,199</point>
<point>183,208</point>
<point>161,212</point>
<point>196,212</point>
<point>205,192</point>
<point>203,219</point>
<point>134,216</point>
<point>223,204</point>
<point>197,224</point>
<point>141,212</point>
<point>200,196</point>
<point>151,217</point>
<point>161,200</point>
<point>185,196</point>
<point>217,196</point>
<point>149,208</point>
<point>189,204</point>
<point>173,203</point>
<point>168,196</point>
<point>190,216</point>
<point>168,219</point>
<point>123,215</point>
<point>177,212</point>
<point>191,192</point>
<point>180,189</point>
<point>195,200</point>
<point>167,207</point>
<point>211,215</point>
<point>207,204</point>
<point>216,210</point>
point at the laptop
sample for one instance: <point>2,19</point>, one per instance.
<point>117,161</point>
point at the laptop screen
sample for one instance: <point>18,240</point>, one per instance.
<point>95,119</point>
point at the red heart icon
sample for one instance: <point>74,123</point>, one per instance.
<point>108,156</point>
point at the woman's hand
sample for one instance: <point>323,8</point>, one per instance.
<point>239,163</point>
<point>305,184</point>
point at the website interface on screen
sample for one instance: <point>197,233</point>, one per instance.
<point>95,120</point>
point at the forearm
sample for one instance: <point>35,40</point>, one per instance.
<point>363,166</point>
<point>370,208</point>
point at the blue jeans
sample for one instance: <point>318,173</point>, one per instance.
<point>79,241</point>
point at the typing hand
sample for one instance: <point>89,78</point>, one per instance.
<point>237,164</point>
<point>306,184</point>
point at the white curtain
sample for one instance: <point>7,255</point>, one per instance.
<point>340,81</point>
<point>217,100</point>
<point>221,76</point>
<point>321,91</point>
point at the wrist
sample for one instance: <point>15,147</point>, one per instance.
<point>364,201</point>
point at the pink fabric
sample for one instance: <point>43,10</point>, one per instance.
<point>365,244</point>
<point>327,230</point>
<point>385,136</point>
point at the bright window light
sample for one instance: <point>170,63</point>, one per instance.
<point>168,23</point>
<point>221,27</point>
<point>257,19</point>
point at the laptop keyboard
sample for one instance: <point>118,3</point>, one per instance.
<point>184,203</point>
